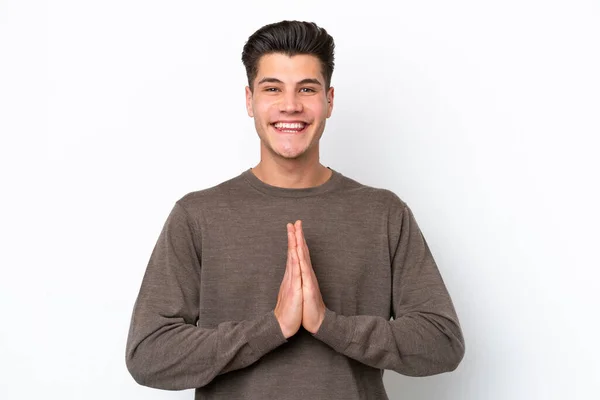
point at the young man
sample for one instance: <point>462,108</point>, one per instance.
<point>236,307</point>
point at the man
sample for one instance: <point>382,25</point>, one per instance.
<point>236,307</point>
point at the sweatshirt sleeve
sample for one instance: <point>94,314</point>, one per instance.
<point>424,338</point>
<point>165,347</point>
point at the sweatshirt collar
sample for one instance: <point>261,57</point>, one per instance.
<point>277,191</point>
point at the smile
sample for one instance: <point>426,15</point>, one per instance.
<point>290,127</point>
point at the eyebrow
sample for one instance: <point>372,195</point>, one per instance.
<point>302,82</point>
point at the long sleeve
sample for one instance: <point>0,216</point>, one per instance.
<point>165,347</point>
<point>424,337</point>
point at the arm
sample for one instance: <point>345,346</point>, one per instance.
<point>425,337</point>
<point>165,348</point>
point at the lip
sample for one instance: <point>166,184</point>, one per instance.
<point>290,121</point>
<point>306,125</point>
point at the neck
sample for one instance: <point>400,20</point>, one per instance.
<point>292,173</point>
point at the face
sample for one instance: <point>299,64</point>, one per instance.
<point>290,105</point>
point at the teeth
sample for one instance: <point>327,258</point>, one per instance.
<point>287,125</point>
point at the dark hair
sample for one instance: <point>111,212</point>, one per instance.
<point>289,38</point>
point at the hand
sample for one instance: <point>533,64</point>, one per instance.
<point>313,307</point>
<point>288,310</point>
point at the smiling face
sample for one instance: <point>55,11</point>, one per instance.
<point>290,104</point>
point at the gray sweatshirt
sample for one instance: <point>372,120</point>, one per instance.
<point>204,317</point>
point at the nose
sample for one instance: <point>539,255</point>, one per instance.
<point>290,103</point>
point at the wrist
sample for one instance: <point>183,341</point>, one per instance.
<point>287,333</point>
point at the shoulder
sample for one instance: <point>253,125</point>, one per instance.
<point>196,202</point>
<point>372,195</point>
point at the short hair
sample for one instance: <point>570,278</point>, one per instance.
<point>289,38</point>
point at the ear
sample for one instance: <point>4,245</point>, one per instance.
<point>249,102</point>
<point>330,95</point>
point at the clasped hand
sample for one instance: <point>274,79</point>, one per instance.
<point>299,302</point>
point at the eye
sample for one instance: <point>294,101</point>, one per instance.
<point>307,90</point>
<point>271,89</point>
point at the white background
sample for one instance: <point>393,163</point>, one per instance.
<point>483,116</point>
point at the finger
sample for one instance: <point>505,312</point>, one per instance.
<point>303,268</point>
<point>299,235</point>
<point>288,263</point>
<point>298,228</point>
<point>302,254</point>
<point>300,249</point>
<point>302,237</point>
<point>291,251</point>
<point>291,236</point>
<point>309,278</point>
<point>296,268</point>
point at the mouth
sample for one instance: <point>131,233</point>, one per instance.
<point>290,127</point>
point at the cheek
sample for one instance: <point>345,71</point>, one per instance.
<point>316,103</point>
<point>317,109</point>
<point>264,111</point>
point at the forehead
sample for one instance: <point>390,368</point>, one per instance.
<point>286,68</point>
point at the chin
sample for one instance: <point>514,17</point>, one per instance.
<point>287,150</point>
<point>290,155</point>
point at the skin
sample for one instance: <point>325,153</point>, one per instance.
<point>292,89</point>
<point>313,307</point>
<point>299,302</point>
